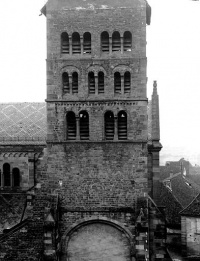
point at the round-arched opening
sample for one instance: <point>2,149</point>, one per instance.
<point>122,125</point>
<point>71,126</point>
<point>87,43</point>
<point>91,83</point>
<point>16,177</point>
<point>117,82</point>
<point>127,82</point>
<point>6,174</point>
<point>65,43</point>
<point>116,42</point>
<point>109,125</point>
<point>98,241</point>
<point>76,43</point>
<point>65,82</point>
<point>84,125</point>
<point>127,41</point>
<point>105,42</point>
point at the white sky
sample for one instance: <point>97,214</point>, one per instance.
<point>173,52</point>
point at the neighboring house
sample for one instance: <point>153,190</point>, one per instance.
<point>190,228</point>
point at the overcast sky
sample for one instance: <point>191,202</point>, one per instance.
<point>173,52</point>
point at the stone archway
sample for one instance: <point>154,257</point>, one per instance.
<point>97,241</point>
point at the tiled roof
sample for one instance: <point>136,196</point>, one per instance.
<point>11,209</point>
<point>22,123</point>
<point>193,209</point>
<point>182,188</point>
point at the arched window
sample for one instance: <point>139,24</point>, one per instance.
<point>74,82</point>
<point>65,82</point>
<point>71,126</point>
<point>91,83</point>
<point>76,43</point>
<point>84,125</point>
<point>127,41</point>
<point>16,177</point>
<point>122,125</point>
<point>100,82</point>
<point>109,125</point>
<point>116,42</point>
<point>87,43</point>
<point>127,82</point>
<point>6,174</point>
<point>105,42</point>
<point>117,82</point>
<point>65,43</point>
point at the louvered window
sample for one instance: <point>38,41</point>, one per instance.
<point>105,42</point>
<point>65,43</point>
<point>71,126</point>
<point>100,82</point>
<point>127,41</point>
<point>76,43</point>
<point>116,42</point>
<point>117,82</point>
<point>122,125</point>
<point>91,83</point>
<point>84,125</point>
<point>87,43</point>
<point>16,177</point>
<point>74,82</point>
<point>127,82</point>
<point>65,82</point>
<point>6,174</point>
<point>109,125</point>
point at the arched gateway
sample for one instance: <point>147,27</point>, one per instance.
<point>97,240</point>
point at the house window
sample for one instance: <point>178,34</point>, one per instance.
<point>71,126</point>
<point>87,43</point>
<point>116,42</point>
<point>117,82</point>
<point>105,42</point>
<point>74,82</point>
<point>127,41</point>
<point>122,125</point>
<point>127,82</point>
<point>109,125</point>
<point>6,174</point>
<point>16,177</point>
<point>65,82</point>
<point>100,82</point>
<point>76,43</point>
<point>91,83</point>
<point>84,125</point>
<point>65,43</point>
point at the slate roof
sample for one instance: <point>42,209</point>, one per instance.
<point>193,209</point>
<point>23,123</point>
<point>182,188</point>
<point>11,210</point>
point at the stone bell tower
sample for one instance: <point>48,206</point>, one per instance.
<point>97,125</point>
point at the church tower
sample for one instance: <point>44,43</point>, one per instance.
<point>97,126</point>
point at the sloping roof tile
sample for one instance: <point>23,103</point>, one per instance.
<point>22,123</point>
<point>193,209</point>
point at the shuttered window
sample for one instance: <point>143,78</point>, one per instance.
<point>65,82</point>
<point>127,41</point>
<point>105,42</point>
<point>100,82</point>
<point>84,125</point>
<point>87,43</point>
<point>117,82</point>
<point>74,82</point>
<point>109,125</point>
<point>71,126</point>
<point>76,43</point>
<point>116,42</point>
<point>127,82</point>
<point>122,125</point>
<point>91,83</point>
<point>65,43</point>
